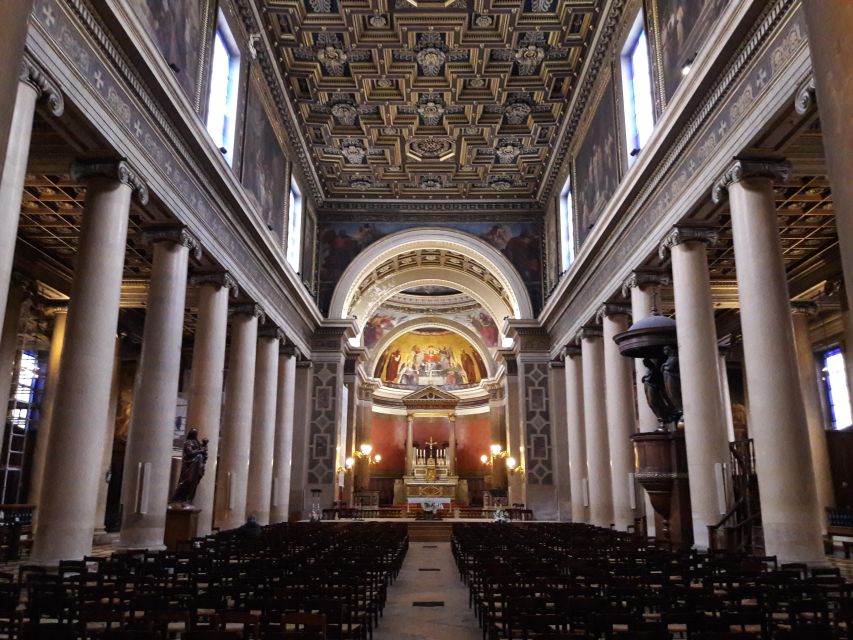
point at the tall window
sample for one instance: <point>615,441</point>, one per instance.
<point>294,226</point>
<point>224,83</point>
<point>637,89</point>
<point>835,378</point>
<point>567,248</point>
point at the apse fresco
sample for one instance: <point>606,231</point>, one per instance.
<point>341,242</point>
<point>683,27</point>
<point>436,357</point>
<point>175,26</point>
<point>478,319</point>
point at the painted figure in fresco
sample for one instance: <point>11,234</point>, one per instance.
<point>376,327</point>
<point>393,366</point>
<point>486,327</point>
<point>469,366</point>
<point>409,375</point>
<point>192,468</point>
<point>523,251</point>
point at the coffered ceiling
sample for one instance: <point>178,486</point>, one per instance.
<point>441,99</point>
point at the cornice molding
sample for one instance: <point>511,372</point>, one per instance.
<point>174,234</point>
<point>46,89</point>
<point>741,169</point>
<point>117,169</point>
<point>217,279</point>
<point>685,233</point>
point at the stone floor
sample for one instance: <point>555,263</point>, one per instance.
<point>451,621</point>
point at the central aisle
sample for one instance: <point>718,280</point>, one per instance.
<point>404,621</point>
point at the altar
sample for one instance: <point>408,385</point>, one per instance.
<point>443,503</point>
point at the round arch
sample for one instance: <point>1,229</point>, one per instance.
<point>431,321</point>
<point>515,303</point>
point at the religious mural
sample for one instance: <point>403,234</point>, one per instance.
<point>175,26</point>
<point>341,242</point>
<point>683,26</point>
<point>596,164</point>
<point>436,357</point>
<point>384,320</point>
<point>264,163</point>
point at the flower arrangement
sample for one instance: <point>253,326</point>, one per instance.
<point>430,507</point>
<point>501,515</point>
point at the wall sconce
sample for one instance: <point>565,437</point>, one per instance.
<point>513,467</point>
<point>365,451</point>
<point>495,451</point>
<point>348,465</point>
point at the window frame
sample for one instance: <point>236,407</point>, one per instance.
<point>228,138</point>
<point>830,398</point>
<point>565,220</point>
<point>295,213</point>
<point>635,139</point>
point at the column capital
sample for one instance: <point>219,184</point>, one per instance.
<point>805,99</point>
<point>612,309</point>
<point>44,86</point>
<point>744,168</point>
<point>588,332</point>
<point>175,234</point>
<point>684,233</point>
<point>805,307</point>
<point>288,349</point>
<point>252,309</point>
<point>271,331</point>
<point>217,279</point>
<point>571,351</point>
<point>645,277</point>
<point>117,169</point>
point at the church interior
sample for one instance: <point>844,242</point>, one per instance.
<point>414,319</point>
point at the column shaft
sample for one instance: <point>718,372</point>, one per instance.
<point>109,435</point>
<point>409,444</point>
<point>814,413</point>
<point>791,519</point>
<point>619,396</point>
<point>283,457</point>
<point>299,497</point>
<point>516,486</point>
<point>232,472</point>
<point>600,484</point>
<point>704,426</point>
<point>72,464</point>
<point>451,463</point>
<point>14,171</point>
<point>9,347</point>
<point>558,397</point>
<point>577,436</point>
<point>145,483</point>
<point>261,454</point>
<point>204,401</point>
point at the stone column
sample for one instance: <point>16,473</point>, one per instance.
<point>600,484</point>
<point>621,423</point>
<point>33,85</point>
<point>802,312</point>
<point>791,519</point>
<point>57,339</point>
<point>303,388</point>
<point>232,471</point>
<point>829,25</point>
<point>410,454</point>
<point>704,424</point>
<point>451,453</point>
<point>557,395</point>
<point>204,400</point>
<point>145,487</point>
<point>9,347</point>
<point>364,408</point>
<point>107,454</point>
<point>576,434</point>
<point>516,487</point>
<point>72,464</point>
<point>497,432</point>
<point>283,449</point>
<point>261,454</point>
<point>13,35</point>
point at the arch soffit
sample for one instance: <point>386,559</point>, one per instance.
<point>431,321</point>
<point>430,238</point>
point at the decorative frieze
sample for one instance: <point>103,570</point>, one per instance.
<point>741,169</point>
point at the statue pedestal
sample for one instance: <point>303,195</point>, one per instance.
<point>181,524</point>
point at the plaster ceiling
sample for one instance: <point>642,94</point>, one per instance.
<point>414,99</point>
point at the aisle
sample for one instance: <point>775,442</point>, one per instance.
<point>451,621</point>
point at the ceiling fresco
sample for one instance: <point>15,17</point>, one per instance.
<point>413,99</point>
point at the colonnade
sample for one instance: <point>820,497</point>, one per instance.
<point>257,424</point>
<point>599,394</point>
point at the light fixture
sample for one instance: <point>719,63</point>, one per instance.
<point>513,466</point>
<point>495,451</point>
<point>366,449</point>
<point>348,465</point>
<point>364,453</point>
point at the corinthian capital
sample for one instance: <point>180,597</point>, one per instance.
<point>252,309</point>
<point>271,332</point>
<point>682,234</point>
<point>805,307</point>
<point>114,169</point>
<point>741,169</point>
<point>219,279</point>
<point>174,234</point>
<point>612,309</point>
<point>805,97</point>
<point>588,332</point>
<point>644,277</point>
<point>32,75</point>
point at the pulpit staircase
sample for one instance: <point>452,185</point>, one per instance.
<point>740,528</point>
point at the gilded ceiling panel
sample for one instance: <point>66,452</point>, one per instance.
<point>420,99</point>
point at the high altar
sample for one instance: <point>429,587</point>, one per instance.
<point>430,465</point>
